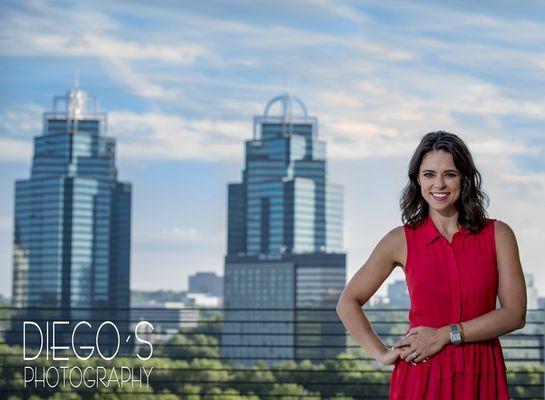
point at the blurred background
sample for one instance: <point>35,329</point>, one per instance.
<point>165,125</point>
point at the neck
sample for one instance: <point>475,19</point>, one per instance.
<point>446,222</point>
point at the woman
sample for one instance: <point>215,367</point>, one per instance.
<point>456,261</point>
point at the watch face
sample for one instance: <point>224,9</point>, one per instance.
<point>456,337</point>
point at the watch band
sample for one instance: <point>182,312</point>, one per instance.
<point>455,335</point>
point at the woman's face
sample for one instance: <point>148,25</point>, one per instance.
<point>440,181</point>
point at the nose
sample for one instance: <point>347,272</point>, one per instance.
<point>439,183</point>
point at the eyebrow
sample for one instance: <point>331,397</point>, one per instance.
<point>448,170</point>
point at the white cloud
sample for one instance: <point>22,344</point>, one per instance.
<point>139,83</point>
<point>374,97</point>
<point>498,147</point>
<point>18,124</point>
<point>22,120</point>
<point>510,24</point>
<point>164,136</point>
<point>383,52</point>
<point>101,45</point>
<point>157,135</point>
<point>88,35</point>
<point>526,178</point>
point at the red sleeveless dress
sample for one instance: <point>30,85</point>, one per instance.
<point>450,283</point>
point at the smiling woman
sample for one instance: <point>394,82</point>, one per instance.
<point>443,176</point>
<point>456,262</point>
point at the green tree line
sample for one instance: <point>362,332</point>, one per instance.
<point>188,367</point>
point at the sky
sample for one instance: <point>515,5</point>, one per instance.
<point>181,83</point>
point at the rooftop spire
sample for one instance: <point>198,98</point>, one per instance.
<point>287,103</point>
<point>75,106</point>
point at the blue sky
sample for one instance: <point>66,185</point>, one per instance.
<point>181,83</point>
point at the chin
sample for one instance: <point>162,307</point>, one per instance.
<point>434,204</point>
<point>443,207</point>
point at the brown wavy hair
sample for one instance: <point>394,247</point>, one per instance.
<point>471,204</point>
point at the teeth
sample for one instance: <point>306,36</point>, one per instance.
<point>439,194</point>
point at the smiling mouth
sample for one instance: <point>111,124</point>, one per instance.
<point>439,196</point>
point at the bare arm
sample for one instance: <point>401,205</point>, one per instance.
<point>365,282</point>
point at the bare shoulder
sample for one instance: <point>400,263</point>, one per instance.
<point>396,237</point>
<point>503,233</point>
<point>396,244</point>
<point>506,243</point>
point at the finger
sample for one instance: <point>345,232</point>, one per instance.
<point>396,355</point>
<point>405,353</point>
<point>392,357</point>
<point>420,358</point>
<point>406,341</point>
<point>410,358</point>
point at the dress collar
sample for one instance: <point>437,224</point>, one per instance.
<point>431,232</point>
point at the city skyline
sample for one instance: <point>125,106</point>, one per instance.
<point>181,100</point>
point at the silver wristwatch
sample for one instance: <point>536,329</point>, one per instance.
<point>455,336</point>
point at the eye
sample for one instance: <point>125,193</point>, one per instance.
<point>427,174</point>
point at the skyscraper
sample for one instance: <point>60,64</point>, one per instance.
<point>285,262</point>
<point>71,255</point>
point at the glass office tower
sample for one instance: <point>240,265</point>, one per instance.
<point>71,255</point>
<point>285,267</point>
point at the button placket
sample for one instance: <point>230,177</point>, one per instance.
<point>456,300</point>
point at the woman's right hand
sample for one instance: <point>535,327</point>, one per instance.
<point>389,356</point>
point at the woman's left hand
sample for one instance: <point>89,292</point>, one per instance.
<point>424,341</point>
